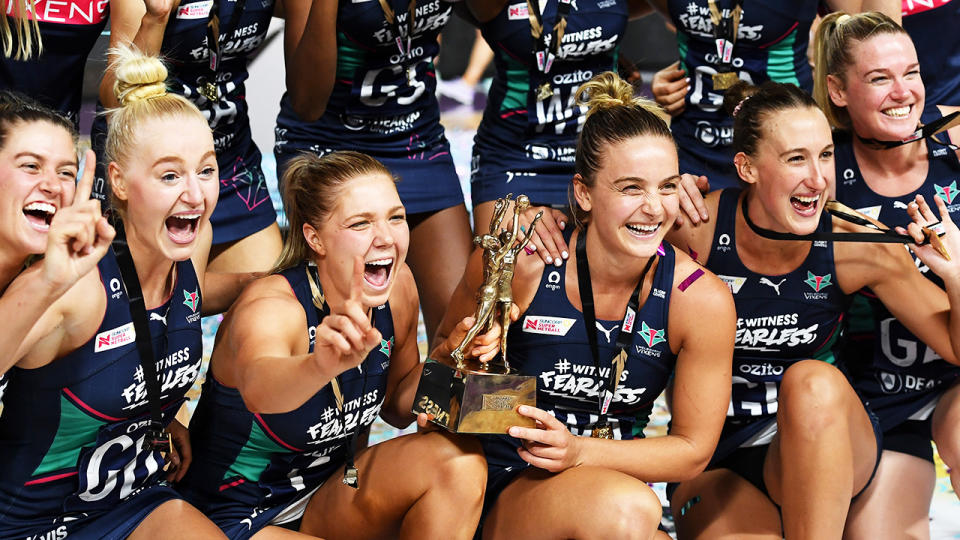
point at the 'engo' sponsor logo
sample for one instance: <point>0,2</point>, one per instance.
<point>551,326</point>
<point>117,337</point>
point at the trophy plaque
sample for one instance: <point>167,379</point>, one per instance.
<point>467,395</point>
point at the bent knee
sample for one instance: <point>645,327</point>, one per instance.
<point>458,460</point>
<point>630,509</point>
<point>812,392</point>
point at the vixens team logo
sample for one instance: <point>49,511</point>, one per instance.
<point>817,283</point>
<point>386,346</point>
<point>651,335</point>
<point>191,299</point>
<point>948,193</point>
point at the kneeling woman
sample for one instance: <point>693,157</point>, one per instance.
<point>80,406</point>
<point>604,334</point>
<point>798,443</point>
<point>305,361</point>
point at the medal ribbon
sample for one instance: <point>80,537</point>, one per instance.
<point>351,476</point>
<point>546,47</point>
<point>924,132</point>
<point>209,87</point>
<point>725,32</point>
<point>886,236</point>
<point>391,18</point>
<point>607,391</point>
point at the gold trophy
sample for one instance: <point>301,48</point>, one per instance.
<point>482,397</point>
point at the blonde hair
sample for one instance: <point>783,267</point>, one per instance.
<point>833,46</point>
<point>141,89</point>
<point>614,114</point>
<point>311,188</point>
<point>24,22</point>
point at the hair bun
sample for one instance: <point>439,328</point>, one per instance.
<point>138,76</point>
<point>607,90</point>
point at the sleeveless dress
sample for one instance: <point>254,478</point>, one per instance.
<point>252,470</point>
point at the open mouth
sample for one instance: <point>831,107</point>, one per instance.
<point>643,231</point>
<point>805,206</point>
<point>377,272</point>
<point>39,215</point>
<point>182,228</point>
<point>898,112</point>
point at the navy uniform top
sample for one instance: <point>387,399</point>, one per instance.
<point>265,460</point>
<point>383,102</point>
<point>932,25</point>
<point>771,44</point>
<point>69,31</point>
<point>903,375</point>
<point>550,342</point>
<point>185,48</point>
<point>521,135</point>
<point>72,431</point>
<point>781,320</point>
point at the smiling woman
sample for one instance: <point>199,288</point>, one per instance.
<point>304,362</point>
<point>798,442</point>
<point>79,377</point>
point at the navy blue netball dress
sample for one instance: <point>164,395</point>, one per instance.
<point>72,461</point>
<point>527,139</point>
<point>898,376</point>
<point>252,470</point>
<point>384,101</point>
<point>771,44</point>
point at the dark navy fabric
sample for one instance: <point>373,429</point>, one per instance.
<point>525,145</point>
<point>780,320</point>
<point>771,45</point>
<point>932,26</point>
<point>71,432</point>
<point>549,341</point>
<point>244,206</point>
<point>898,375</point>
<point>247,464</point>
<point>69,30</point>
<point>383,104</point>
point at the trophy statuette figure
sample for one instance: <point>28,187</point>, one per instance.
<point>475,396</point>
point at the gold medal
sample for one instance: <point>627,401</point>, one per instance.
<point>602,431</point>
<point>209,91</point>
<point>722,81</point>
<point>544,91</point>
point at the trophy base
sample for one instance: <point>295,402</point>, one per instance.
<point>477,399</point>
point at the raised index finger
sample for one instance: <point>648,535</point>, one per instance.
<point>356,281</point>
<point>85,185</point>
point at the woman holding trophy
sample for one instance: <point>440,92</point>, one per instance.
<point>305,361</point>
<point>598,382</point>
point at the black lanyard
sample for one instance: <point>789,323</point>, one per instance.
<point>156,438</point>
<point>351,476</point>
<point>885,236</point>
<point>546,47</point>
<point>208,87</point>
<point>725,30</point>
<point>404,45</point>
<point>606,392</point>
<point>925,132</point>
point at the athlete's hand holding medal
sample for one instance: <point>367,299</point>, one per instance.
<point>549,445</point>
<point>79,236</point>
<point>937,243</point>
<point>180,456</point>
